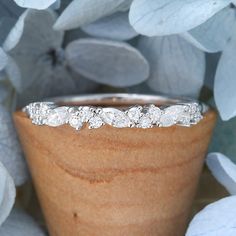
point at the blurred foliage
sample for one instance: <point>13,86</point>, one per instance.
<point>59,47</point>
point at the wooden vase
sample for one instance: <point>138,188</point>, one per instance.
<point>110,181</point>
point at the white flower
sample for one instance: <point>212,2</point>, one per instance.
<point>11,154</point>
<point>7,193</point>
<point>224,170</point>
<point>115,26</point>
<point>35,4</point>
<point>20,224</point>
<point>37,50</point>
<point>9,14</point>
<point>82,12</point>
<point>108,62</point>
<point>164,17</point>
<point>176,67</point>
<point>225,82</point>
<point>216,219</point>
<point>214,34</point>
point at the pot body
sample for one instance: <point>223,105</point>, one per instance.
<point>110,181</point>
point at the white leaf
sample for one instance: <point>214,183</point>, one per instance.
<point>11,155</point>
<point>224,138</point>
<point>225,82</point>
<point>3,59</point>
<point>176,66</point>
<point>217,219</point>
<point>3,92</point>
<point>53,81</point>
<point>116,27</point>
<point>9,14</point>
<point>82,12</point>
<point>9,9</point>
<point>107,62</point>
<point>20,224</point>
<point>7,193</point>
<point>16,33</point>
<point>74,34</point>
<point>56,5</point>
<point>164,17</point>
<point>14,74</point>
<point>214,34</point>
<point>38,41</point>
<point>125,5</point>
<point>35,4</point>
<point>224,170</point>
<point>212,60</point>
<point>6,24</point>
<point>34,27</point>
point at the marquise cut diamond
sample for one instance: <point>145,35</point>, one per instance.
<point>147,116</point>
<point>57,116</point>
<point>173,115</point>
<point>115,117</point>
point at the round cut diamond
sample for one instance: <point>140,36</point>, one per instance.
<point>193,108</point>
<point>196,118</point>
<point>145,116</point>
<point>39,111</point>
<point>134,113</point>
<point>154,113</point>
<point>185,119</point>
<point>95,122</point>
<point>75,122</point>
<point>195,113</point>
<point>57,116</point>
<point>86,113</point>
<point>145,122</point>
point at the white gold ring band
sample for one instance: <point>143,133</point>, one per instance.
<point>116,110</point>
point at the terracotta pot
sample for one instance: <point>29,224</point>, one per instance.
<point>111,181</point>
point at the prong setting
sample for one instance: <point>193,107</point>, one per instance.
<point>147,116</point>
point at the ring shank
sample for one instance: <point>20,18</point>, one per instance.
<point>118,110</point>
<point>122,99</point>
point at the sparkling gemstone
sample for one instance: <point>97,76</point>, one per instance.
<point>145,122</point>
<point>193,108</point>
<point>75,122</point>
<point>166,120</point>
<point>108,115</point>
<point>58,116</point>
<point>95,122</point>
<point>39,111</point>
<point>86,113</point>
<point>196,118</point>
<point>185,119</point>
<point>172,115</point>
<point>115,117</point>
<point>134,113</point>
<point>154,113</point>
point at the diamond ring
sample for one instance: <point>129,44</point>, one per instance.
<point>116,110</point>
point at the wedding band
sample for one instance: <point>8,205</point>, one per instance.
<point>116,110</point>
